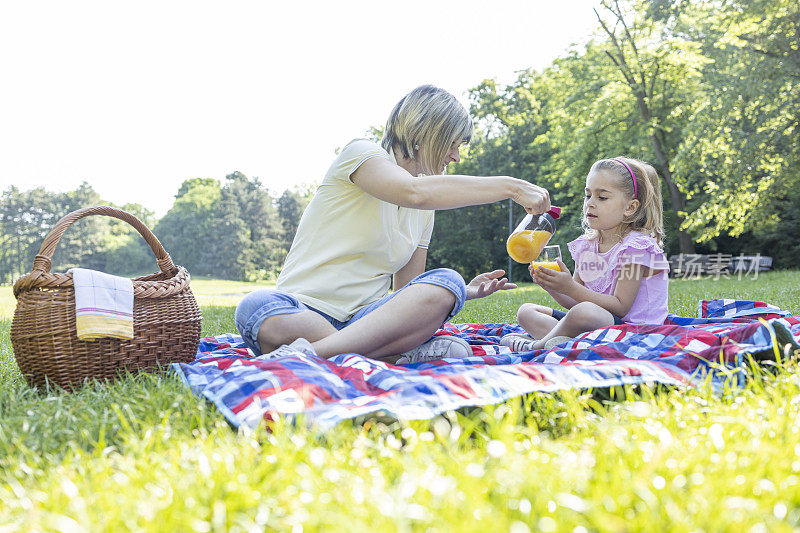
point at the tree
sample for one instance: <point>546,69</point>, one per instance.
<point>131,256</point>
<point>86,242</point>
<point>508,140</point>
<point>742,141</point>
<point>187,230</point>
<point>661,70</point>
<point>246,200</point>
<point>291,205</point>
<point>91,242</point>
<point>25,219</point>
<point>227,231</point>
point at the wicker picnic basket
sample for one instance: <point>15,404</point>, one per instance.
<point>166,319</point>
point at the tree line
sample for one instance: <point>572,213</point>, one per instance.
<point>233,229</point>
<point>707,91</point>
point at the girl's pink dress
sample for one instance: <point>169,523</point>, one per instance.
<point>599,272</point>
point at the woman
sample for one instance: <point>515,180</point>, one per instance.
<point>368,228</point>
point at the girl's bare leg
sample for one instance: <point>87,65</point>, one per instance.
<point>537,320</point>
<point>583,317</point>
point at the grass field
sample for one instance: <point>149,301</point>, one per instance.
<point>143,453</point>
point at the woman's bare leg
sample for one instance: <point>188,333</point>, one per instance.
<point>283,329</point>
<point>402,323</point>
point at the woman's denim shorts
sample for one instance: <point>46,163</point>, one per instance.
<point>262,304</point>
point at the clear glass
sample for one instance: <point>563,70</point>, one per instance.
<point>548,258</point>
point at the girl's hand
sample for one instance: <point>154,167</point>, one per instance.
<point>553,280</point>
<point>487,283</point>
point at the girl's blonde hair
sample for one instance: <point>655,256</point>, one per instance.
<point>649,216</point>
<point>427,121</point>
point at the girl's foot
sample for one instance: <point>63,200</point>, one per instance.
<point>518,342</point>
<point>556,341</point>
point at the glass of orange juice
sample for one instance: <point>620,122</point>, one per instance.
<point>548,258</point>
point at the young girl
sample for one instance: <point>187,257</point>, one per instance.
<point>620,269</point>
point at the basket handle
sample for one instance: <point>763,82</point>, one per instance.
<point>42,262</point>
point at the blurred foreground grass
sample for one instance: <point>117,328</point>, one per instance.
<point>143,453</point>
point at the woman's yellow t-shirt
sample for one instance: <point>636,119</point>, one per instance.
<point>348,243</point>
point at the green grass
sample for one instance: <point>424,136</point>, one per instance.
<point>143,453</point>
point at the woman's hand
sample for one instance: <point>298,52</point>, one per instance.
<point>551,280</point>
<point>487,283</point>
<point>533,198</point>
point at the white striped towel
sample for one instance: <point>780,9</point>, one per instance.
<point>103,305</point>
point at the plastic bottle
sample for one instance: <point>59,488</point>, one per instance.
<point>531,235</point>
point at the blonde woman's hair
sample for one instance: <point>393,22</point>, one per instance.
<point>649,216</point>
<point>424,125</point>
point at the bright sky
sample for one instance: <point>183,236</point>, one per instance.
<point>137,97</point>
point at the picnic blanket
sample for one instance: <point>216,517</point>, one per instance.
<point>684,351</point>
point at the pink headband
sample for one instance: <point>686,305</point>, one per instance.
<point>633,177</point>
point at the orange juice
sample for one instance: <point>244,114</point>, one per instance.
<point>552,265</point>
<point>524,246</point>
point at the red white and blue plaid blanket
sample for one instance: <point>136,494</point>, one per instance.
<point>682,351</point>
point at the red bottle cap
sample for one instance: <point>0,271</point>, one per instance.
<point>554,212</point>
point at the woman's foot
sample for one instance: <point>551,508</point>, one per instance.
<point>299,345</point>
<point>441,347</point>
